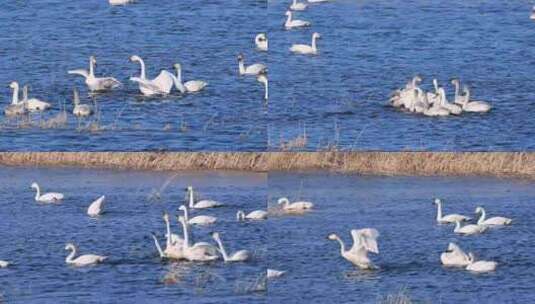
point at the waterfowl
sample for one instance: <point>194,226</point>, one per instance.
<point>199,252</point>
<point>253,69</point>
<point>262,78</point>
<point>256,215</point>
<point>294,207</point>
<point>120,2</point>
<point>16,107</point>
<point>160,85</point>
<point>532,16</point>
<point>33,104</point>
<point>470,229</point>
<point>273,273</point>
<point>51,197</point>
<point>298,6</point>
<point>454,256</point>
<point>458,99</point>
<point>290,24</point>
<point>474,106</point>
<point>197,220</point>
<point>480,266</point>
<point>4,264</point>
<point>202,204</point>
<point>96,84</point>
<point>450,218</point>
<point>238,256</point>
<point>306,49</point>
<point>80,110</point>
<point>493,221</point>
<point>261,42</point>
<point>451,107</point>
<point>83,260</point>
<point>364,241</point>
<point>96,207</point>
<point>191,86</point>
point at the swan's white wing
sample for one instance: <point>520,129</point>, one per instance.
<point>367,238</point>
<point>80,72</point>
<point>147,84</point>
<point>109,82</point>
<point>164,81</point>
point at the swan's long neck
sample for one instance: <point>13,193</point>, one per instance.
<point>266,90</point>
<point>457,89</point>
<point>241,66</point>
<point>25,93</point>
<point>314,43</point>
<point>294,2</point>
<point>221,248</point>
<point>168,235</point>
<point>289,18</point>
<point>71,255</point>
<point>240,215</point>
<point>439,211</point>
<point>443,100</point>
<point>178,80</point>
<point>76,97</point>
<point>186,233</point>
<point>342,245</point>
<point>38,194</point>
<point>91,68</point>
<point>457,226</point>
<point>143,74</point>
<point>186,214</point>
<point>15,98</point>
<point>482,217</point>
<point>190,193</point>
<point>162,255</point>
<point>467,96</point>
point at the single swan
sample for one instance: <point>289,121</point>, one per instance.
<point>51,197</point>
<point>290,24</point>
<point>261,42</point>
<point>96,207</point>
<point>199,252</point>
<point>294,207</point>
<point>454,256</point>
<point>364,241</point>
<point>4,264</point>
<point>469,229</point>
<point>96,84</point>
<point>120,2</point>
<point>238,256</point>
<point>450,218</point>
<point>160,85</point>
<point>80,110</point>
<point>493,221</point>
<point>262,78</point>
<point>16,107</point>
<point>474,106</point>
<point>480,266</point>
<point>202,204</point>
<point>273,273</point>
<point>197,220</point>
<point>253,69</point>
<point>33,104</point>
<point>256,215</point>
<point>297,6</point>
<point>191,86</point>
<point>306,49</point>
<point>83,260</point>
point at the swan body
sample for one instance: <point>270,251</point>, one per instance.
<point>306,49</point>
<point>96,84</point>
<point>474,106</point>
<point>454,257</point>
<point>261,42</point>
<point>83,260</point>
<point>160,85</point>
<point>493,221</point>
<point>51,197</point>
<point>470,229</point>
<point>80,110</point>
<point>273,273</point>
<point>294,207</point>
<point>202,204</point>
<point>16,107</point>
<point>238,256</point>
<point>290,24</point>
<point>450,218</point>
<point>33,104</point>
<point>197,220</point>
<point>96,207</point>
<point>120,2</point>
<point>256,215</point>
<point>4,264</point>
<point>198,252</point>
<point>480,266</point>
<point>191,86</point>
<point>262,78</point>
<point>364,241</point>
<point>253,69</point>
<point>298,6</point>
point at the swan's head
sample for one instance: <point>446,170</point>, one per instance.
<point>261,37</point>
<point>215,235</point>
<point>479,210</point>
<point>240,215</point>
<point>177,66</point>
<point>183,208</point>
<point>332,237</point>
<point>69,246</point>
<point>466,89</point>
<point>189,188</point>
<point>34,185</point>
<point>455,81</point>
<point>135,58</point>
<point>181,219</point>
<point>14,85</point>
<point>240,57</point>
<point>283,200</point>
<point>471,257</point>
<point>288,13</point>
<point>165,216</point>
<point>437,201</point>
<point>417,79</point>
<point>316,35</point>
<point>452,247</point>
<point>93,59</point>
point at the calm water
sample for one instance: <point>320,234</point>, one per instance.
<point>34,236</point>
<point>410,243</point>
<point>47,38</point>
<point>369,48</point>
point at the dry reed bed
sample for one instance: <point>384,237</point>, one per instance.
<point>379,163</point>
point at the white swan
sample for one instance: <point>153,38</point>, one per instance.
<point>174,247</point>
<point>96,84</point>
<point>96,207</point>
<point>253,69</point>
<point>480,266</point>
<point>199,252</point>
<point>51,197</point>
<point>160,85</point>
<point>470,229</point>
<point>434,97</point>
<point>273,273</point>
<point>298,6</point>
<point>317,1</point>
<point>364,241</point>
<point>256,215</point>
<point>294,207</point>
<point>474,106</point>
<point>4,264</point>
<point>120,2</point>
<point>83,260</point>
<point>261,42</point>
<point>172,239</point>
<point>33,104</point>
<point>290,24</point>
<point>191,86</point>
<point>197,220</point>
<point>80,110</point>
<point>16,107</point>
<point>451,107</point>
<point>262,78</point>
<point>238,256</point>
<point>493,221</point>
<point>459,99</point>
<point>306,49</point>
<point>532,16</point>
<point>454,257</point>
<point>202,204</point>
<point>450,218</point>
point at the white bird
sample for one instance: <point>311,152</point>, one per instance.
<point>305,49</point>
<point>294,207</point>
<point>451,107</point>
<point>454,256</point>
<point>298,6</point>
<point>96,207</point>
<point>253,69</point>
<point>120,2</point>
<point>470,229</point>
<point>198,252</point>
<point>364,241</point>
<point>290,24</point>
<point>458,99</point>
<point>51,197</point>
<point>197,220</point>
<point>96,84</point>
<point>83,260</point>
<point>80,110</point>
<point>16,107</point>
<point>33,104</point>
<point>450,218</point>
<point>202,204</point>
<point>493,221</point>
<point>261,42</point>
<point>532,16</point>
<point>256,215</point>
<point>4,264</point>
<point>238,256</point>
<point>474,106</point>
<point>273,273</point>
<point>174,243</point>
<point>262,78</point>
<point>160,85</point>
<point>480,266</point>
<point>191,86</point>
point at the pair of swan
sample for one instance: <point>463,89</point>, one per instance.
<point>97,207</point>
<point>364,241</point>
<point>80,110</point>
<point>464,100</point>
<point>493,221</point>
<point>291,23</point>
<point>83,260</point>
<point>306,49</point>
<point>253,69</point>
<point>256,215</point>
<point>51,197</point>
<point>295,206</point>
<point>197,220</point>
<point>202,204</point>
<point>456,257</point>
<point>262,78</point>
<point>19,107</point>
<point>96,84</point>
<point>261,42</point>
<point>450,218</point>
<point>298,6</point>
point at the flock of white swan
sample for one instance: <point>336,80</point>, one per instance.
<point>365,240</point>
<point>414,99</point>
<point>291,23</point>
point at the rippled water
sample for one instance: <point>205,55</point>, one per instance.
<point>34,236</point>
<point>369,48</point>
<point>42,40</point>
<point>410,242</point>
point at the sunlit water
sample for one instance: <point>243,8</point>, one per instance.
<point>410,242</point>
<point>42,40</point>
<point>370,48</point>
<point>34,236</point>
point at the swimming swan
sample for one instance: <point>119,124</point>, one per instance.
<point>454,256</point>
<point>199,252</point>
<point>364,241</point>
<point>160,85</point>
<point>80,110</point>
<point>451,107</point>
<point>83,260</point>
<point>256,215</point>
<point>238,256</point>
<point>202,204</point>
<point>273,273</point>
<point>262,78</point>
<point>290,24</point>
<point>4,264</point>
<point>493,221</point>
<point>474,106</point>
<point>120,2</point>
<point>96,207</point>
<point>33,104</point>
<point>294,207</point>
<point>297,6</point>
<point>16,107</point>
<point>197,220</point>
<point>261,42</point>
<point>191,86</point>
<point>470,229</point>
<point>253,69</point>
<point>51,197</point>
<point>96,84</point>
<point>174,243</point>
<point>480,266</point>
<point>450,218</point>
<point>306,49</point>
